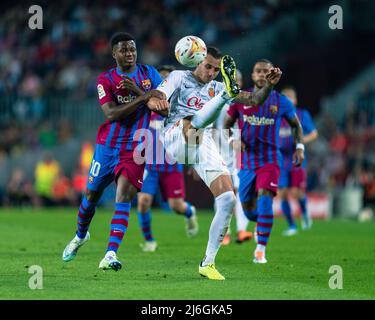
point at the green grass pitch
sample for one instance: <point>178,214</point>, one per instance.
<point>298,267</point>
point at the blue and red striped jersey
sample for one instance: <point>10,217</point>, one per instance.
<point>158,160</point>
<point>259,127</point>
<point>287,144</point>
<point>127,133</point>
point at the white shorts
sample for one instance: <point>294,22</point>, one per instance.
<point>204,157</point>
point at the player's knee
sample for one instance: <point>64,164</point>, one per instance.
<point>249,206</point>
<point>93,196</point>
<point>144,204</point>
<point>283,193</point>
<point>177,206</point>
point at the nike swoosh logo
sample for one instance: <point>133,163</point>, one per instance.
<point>139,181</point>
<point>247,107</point>
<point>273,184</point>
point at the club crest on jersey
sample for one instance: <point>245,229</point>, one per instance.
<point>274,109</point>
<point>211,92</point>
<point>146,84</point>
<point>101,91</point>
<point>91,179</point>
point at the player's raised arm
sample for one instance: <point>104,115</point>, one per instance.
<point>258,97</point>
<point>158,103</point>
<point>114,112</point>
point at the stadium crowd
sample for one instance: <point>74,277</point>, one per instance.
<point>67,56</point>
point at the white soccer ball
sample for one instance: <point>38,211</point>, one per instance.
<point>190,51</point>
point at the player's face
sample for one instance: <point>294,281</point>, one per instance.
<point>291,94</point>
<point>261,69</point>
<point>125,54</point>
<point>208,69</point>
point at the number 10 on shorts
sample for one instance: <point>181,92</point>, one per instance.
<point>95,168</point>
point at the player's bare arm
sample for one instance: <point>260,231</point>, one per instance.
<point>114,112</point>
<point>258,97</point>
<point>159,103</point>
<point>310,137</point>
<point>299,154</point>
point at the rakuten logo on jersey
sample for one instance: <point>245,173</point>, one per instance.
<point>195,102</point>
<point>125,99</point>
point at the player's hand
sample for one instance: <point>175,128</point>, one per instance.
<point>129,83</point>
<point>155,104</point>
<point>273,77</point>
<point>298,157</point>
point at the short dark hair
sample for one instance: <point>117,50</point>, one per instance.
<point>263,60</point>
<point>166,67</point>
<point>215,52</point>
<point>120,36</point>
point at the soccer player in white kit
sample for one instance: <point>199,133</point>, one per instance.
<point>195,100</point>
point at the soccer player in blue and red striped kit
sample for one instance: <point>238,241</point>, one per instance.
<point>260,158</point>
<point>292,178</point>
<point>123,92</point>
<point>166,174</point>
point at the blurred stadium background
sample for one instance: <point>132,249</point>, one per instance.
<point>49,108</point>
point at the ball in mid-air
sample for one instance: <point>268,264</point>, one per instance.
<point>190,51</point>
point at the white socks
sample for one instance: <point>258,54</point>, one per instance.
<point>210,111</point>
<point>224,205</point>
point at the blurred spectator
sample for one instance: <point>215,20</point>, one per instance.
<point>19,190</point>
<point>366,105</point>
<point>47,135</point>
<point>47,171</point>
<point>62,192</point>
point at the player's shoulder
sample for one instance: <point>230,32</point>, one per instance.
<point>146,68</point>
<point>180,73</point>
<point>284,100</point>
<point>106,75</point>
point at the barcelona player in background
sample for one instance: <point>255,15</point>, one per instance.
<point>292,178</point>
<point>123,92</point>
<point>260,159</point>
<point>167,176</point>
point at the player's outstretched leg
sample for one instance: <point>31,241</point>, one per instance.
<point>224,204</point>
<point>211,109</point>
<point>85,214</point>
<point>228,71</point>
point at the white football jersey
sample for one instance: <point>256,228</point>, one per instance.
<point>186,95</point>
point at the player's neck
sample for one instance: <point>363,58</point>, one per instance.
<point>256,88</point>
<point>126,69</point>
<point>196,77</point>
